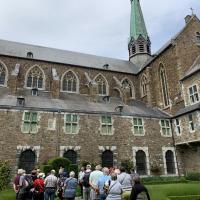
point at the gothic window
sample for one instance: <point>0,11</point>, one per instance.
<point>27,160</point>
<point>141,164</point>
<point>148,49</point>
<point>29,55</point>
<point>107,158</point>
<point>191,123</point>
<point>30,122</point>
<point>2,75</point>
<point>163,82</point>
<point>138,128</point>
<point>102,85</point>
<point>71,155</point>
<point>106,125</point>
<point>71,124</point>
<point>127,85</point>
<point>165,128</point>
<point>144,85</point>
<point>35,78</point>
<point>193,93</point>
<point>170,164</point>
<point>70,82</point>
<point>133,49</point>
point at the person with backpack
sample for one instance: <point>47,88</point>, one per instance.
<point>86,183</point>
<point>23,184</point>
<point>139,191</point>
<point>38,185</point>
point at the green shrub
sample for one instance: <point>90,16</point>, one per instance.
<point>74,167</point>
<point>127,164</point>
<point>4,174</point>
<point>46,168</point>
<point>193,176</point>
<point>59,161</point>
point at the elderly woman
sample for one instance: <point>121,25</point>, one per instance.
<point>115,188</point>
<point>70,186</point>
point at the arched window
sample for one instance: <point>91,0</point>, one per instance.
<point>141,162</point>
<point>2,75</point>
<point>141,47</point>
<point>27,160</point>
<point>35,78</point>
<point>107,158</point>
<point>102,85</point>
<point>71,155</point>
<point>170,164</point>
<point>143,85</point>
<point>163,82</point>
<point>133,49</point>
<point>29,55</point>
<point>198,37</point>
<point>70,82</point>
<point>126,84</point>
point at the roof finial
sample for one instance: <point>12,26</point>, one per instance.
<point>192,10</point>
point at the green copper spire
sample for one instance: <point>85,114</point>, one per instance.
<point>137,21</point>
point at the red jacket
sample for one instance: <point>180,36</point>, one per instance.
<point>38,184</point>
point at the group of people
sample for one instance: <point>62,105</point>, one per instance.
<point>110,184</point>
<point>99,184</point>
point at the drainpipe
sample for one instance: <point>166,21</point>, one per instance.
<point>173,138</point>
<point>58,134</point>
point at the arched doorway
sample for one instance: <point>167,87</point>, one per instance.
<point>141,162</point>
<point>71,155</point>
<point>169,157</point>
<point>107,158</point>
<point>27,160</point>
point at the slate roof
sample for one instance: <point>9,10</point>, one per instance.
<point>17,49</point>
<point>193,69</point>
<point>81,104</point>
<point>188,109</point>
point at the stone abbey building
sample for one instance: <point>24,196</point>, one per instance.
<point>103,110</point>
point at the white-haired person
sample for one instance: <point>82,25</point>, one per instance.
<point>70,186</point>
<point>16,181</point>
<point>38,186</point>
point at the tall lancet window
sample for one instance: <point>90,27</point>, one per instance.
<point>2,75</point>
<point>70,82</point>
<point>163,82</point>
<point>35,78</point>
<point>126,84</point>
<point>143,85</point>
<point>102,85</point>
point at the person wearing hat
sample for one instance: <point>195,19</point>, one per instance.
<point>139,191</point>
<point>38,185</point>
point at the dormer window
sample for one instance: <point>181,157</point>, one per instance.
<point>29,55</point>
<point>193,93</point>
<point>20,101</point>
<point>34,92</point>
<point>105,66</point>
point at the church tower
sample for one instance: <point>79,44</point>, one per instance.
<point>139,43</point>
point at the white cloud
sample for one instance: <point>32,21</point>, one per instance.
<point>90,26</point>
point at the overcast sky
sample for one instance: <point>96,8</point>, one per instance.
<point>99,27</point>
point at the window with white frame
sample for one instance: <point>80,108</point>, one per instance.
<point>70,82</point>
<point>106,125</point>
<point>35,78</point>
<point>30,122</point>
<point>178,126</point>
<point>165,127</point>
<point>71,123</point>
<point>138,128</point>
<point>191,123</point>
<point>193,93</point>
<point>52,124</point>
<point>198,37</point>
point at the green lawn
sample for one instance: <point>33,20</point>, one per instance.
<point>178,191</point>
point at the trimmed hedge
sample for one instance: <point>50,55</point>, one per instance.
<point>46,169</point>
<point>193,176</point>
<point>59,161</point>
<point>4,174</point>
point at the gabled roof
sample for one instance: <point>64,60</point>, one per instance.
<point>17,49</point>
<point>193,69</point>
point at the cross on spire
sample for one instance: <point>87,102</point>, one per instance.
<point>192,10</point>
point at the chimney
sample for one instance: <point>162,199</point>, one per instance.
<point>187,18</point>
